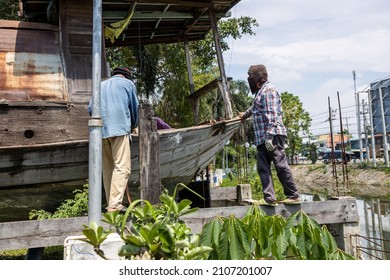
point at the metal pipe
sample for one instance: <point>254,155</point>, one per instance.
<point>385,147</point>
<point>380,228</point>
<point>95,122</point>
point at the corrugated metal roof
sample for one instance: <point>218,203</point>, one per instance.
<point>163,21</point>
<point>381,83</point>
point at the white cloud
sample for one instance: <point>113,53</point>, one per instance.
<point>311,47</point>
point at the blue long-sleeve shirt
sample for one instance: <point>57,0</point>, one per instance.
<point>267,114</point>
<point>118,106</point>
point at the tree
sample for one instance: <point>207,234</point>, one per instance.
<point>204,51</point>
<point>296,120</point>
<point>162,74</point>
<point>9,9</point>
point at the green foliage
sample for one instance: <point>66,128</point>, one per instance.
<point>9,9</point>
<point>234,243</point>
<point>296,120</point>
<point>204,50</point>
<point>258,236</point>
<point>240,95</point>
<point>74,207</point>
<point>50,253</point>
<point>13,254</point>
<point>310,149</point>
<point>95,235</point>
<point>155,229</point>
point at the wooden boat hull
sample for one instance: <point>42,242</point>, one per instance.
<point>183,154</point>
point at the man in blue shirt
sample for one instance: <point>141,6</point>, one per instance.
<point>119,112</point>
<point>270,136</point>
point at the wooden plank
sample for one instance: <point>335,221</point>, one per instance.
<point>205,89</point>
<point>32,234</point>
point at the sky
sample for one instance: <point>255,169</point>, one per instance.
<point>311,48</point>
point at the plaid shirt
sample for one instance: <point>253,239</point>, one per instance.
<point>267,114</point>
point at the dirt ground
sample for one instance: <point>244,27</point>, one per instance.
<point>355,181</point>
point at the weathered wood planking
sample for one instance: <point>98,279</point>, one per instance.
<point>49,163</point>
<point>32,234</point>
<point>42,124</point>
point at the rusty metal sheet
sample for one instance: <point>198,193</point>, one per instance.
<point>31,66</point>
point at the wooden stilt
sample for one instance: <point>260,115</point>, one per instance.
<point>149,155</point>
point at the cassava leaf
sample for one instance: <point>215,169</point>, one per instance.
<point>211,232</point>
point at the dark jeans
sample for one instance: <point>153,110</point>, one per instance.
<point>283,171</point>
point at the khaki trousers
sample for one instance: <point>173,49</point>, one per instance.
<point>116,169</point>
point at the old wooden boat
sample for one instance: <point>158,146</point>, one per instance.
<point>184,153</point>
<point>45,85</point>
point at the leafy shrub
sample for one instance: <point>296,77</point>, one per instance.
<point>74,207</point>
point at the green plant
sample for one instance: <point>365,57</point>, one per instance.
<point>227,237</point>
<point>74,207</point>
<point>258,236</point>
<point>155,229</point>
<point>95,235</point>
<point>157,232</point>
<point>258,188</point>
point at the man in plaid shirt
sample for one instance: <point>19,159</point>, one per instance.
<point>270,136</point>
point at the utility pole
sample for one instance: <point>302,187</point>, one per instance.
<point>365,129</point>
<point>357,101</point>
<point>384,128</point>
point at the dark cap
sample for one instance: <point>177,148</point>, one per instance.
<point>260,70</point>
<point>123,71</point>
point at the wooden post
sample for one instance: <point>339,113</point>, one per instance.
<point>226,92</point>
<point>195,102</point>
<point>149,155</point>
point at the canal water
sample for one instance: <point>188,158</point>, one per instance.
<point>374,214</point>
